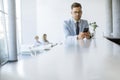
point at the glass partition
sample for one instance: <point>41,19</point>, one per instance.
<point>3,40</point>
<point>3,36</point>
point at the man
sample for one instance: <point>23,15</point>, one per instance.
<point>74,27</point>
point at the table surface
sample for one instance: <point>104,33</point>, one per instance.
<point>95,59</point>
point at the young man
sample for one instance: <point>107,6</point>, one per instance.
<point>74,27</point>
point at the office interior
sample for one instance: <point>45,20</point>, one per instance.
<point>22,20</point>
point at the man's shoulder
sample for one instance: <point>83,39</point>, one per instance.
<point>68,21</point>
<point>83,20</point>
<point>71,20</point>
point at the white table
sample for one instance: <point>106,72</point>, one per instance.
<point>96,59</point>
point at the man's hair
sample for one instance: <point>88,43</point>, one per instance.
<point>36,37</point>
<point>76,5</point>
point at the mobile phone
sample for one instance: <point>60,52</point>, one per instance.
<point>86,30</point>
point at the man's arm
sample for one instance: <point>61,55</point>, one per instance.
<point>84,34</point>
<point>88,35</point>
<point>68,31</point>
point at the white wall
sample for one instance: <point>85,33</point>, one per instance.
<point>46,16</point>
<point>51,14</point>
<point>50,18</point>
<point>28,21</point>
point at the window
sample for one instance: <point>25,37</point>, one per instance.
<point>3,37</point>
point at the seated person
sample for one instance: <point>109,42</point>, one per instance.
<point>46,42</point>
<point>37,42</point>
<point>74,27</point>
<point>44,38</point>
<point>35,48</point>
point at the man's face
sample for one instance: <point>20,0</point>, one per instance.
<point>45,36</point>
<point>76,13</point>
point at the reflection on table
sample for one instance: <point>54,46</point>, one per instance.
<point>40,49</point>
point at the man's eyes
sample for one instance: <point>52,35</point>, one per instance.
<point>78,12</point>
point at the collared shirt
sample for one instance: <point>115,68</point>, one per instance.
<point>75,20</point>
<point>70,27</point>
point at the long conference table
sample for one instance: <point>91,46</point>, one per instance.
<point>94,59</point>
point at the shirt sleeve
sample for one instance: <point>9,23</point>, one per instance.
<point>84,24</point>
<point>67,31</point>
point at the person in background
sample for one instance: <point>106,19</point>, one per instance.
<point>46,42</point>
<point>74,27</point>
<point>44,38</point>
<point>37,42</point>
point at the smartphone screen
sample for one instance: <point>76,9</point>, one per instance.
<point>86,30</point>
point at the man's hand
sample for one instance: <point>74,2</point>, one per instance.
<point>83,35</point>
<point>87,35</point>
